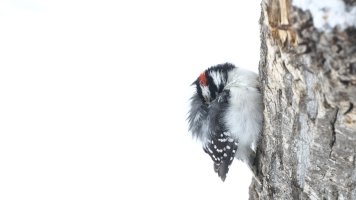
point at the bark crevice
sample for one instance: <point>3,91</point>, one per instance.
<point>333,132</point>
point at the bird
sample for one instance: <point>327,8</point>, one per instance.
<point>226,115</point>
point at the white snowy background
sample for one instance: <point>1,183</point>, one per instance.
<point>94,96</point>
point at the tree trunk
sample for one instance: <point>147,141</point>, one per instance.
<point>308,79</point>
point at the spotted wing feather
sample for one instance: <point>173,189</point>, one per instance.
<point>220,146</point>
<point>221,149</point>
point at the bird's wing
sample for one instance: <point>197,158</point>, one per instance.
<point>220,146</point>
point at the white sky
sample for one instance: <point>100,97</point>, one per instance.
<point>94,96</point>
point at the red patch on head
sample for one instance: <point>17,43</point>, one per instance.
<point>202,79</point>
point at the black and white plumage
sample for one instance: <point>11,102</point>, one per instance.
<point>226,115</point>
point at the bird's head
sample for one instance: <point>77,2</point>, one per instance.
<point>212,81</point>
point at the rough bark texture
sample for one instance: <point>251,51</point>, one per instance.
<point>308,78</point>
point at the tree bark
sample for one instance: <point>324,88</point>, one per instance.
<point>308,81</point>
